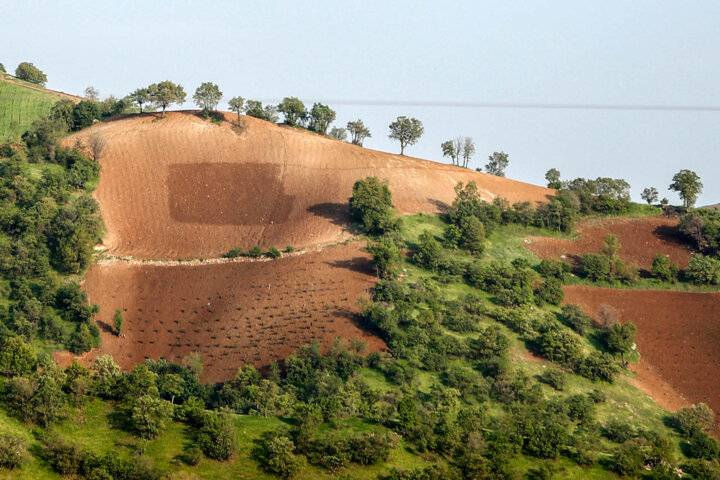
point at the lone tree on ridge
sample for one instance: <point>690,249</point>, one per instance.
<point>497,163</point>
<point>358,132</point>
<point>166,93</point>
<point>688,185</point>
<point>207,96</point>
<point>237,105</point>
<point>407,131</point>
<point>650,195</point>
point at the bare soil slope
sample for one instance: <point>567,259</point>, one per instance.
<point>182,186</point>
<point>232,313</point>
<point>641,239</point>
<point>678,336</point>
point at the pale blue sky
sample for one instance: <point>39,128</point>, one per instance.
<point>610,52</point>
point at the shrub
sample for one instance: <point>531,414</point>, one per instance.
<point>552,291</point>
<point>554,377</point>
<point>217,437</point>
<point>703,270</point>
<point>273,252</point>
<point>13,451</point>
<point>554,268</point>
<point>560,346</point>
<point>596,267</point>
<point>491,342</point>
<point>695,419</point>
<point>289,249</point>
<point>370,205</point>
<point>618,431</point>
<point>279,457</point>
<point>149,416</point>
<point>192,456</point>
<point>255,252</point>
<point>574,317</point>
<point>599,366</point>
<point>30,73</point>
<point>628,460</point>
<point>370,448</point>
<point>663,269</point>
<point>702,446</point>
<point>234,252</point>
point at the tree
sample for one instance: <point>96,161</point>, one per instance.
<point>118,321</point>
<point>407,131</point>
<point>279,456</point>
<point>30,73</point>
<point>216,437</point>
<point>207,96</point>
<point>664,269</point>
<point>166,93</point>
<point>321,116</point>
<point>650,195</point>
<point>149,415</point>
<point>81,340</point>
<point>620,338</point>
<point>688,185</point>
<point>690,421</point>
<point>16,357</point>
<point>13,449</point>
<point>553,178</point>
<point>237,105</point>
<point>339,133</point>
<point>370,205</point>
<point>2,68</point>
<point>386,256</point>
<point>468,150</point>
<point>96,144</point>
<point>92,94</point>
<point>497,163</point>
<point>141,96</point>
<point>451,149</point>
<point>293,109</point>
<point>703,270</point>
<point>358,131</point>
<point>429,252</point>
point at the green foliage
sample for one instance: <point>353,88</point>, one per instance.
<point>602,195</point>
<point>279,457</point>
<point>82,339</point>
<point>85,114</point>
<point>688,185</point>
<point>664,269</point>
<point>386,256</point>
<point>405,130</point>
<point>650,195</point>
<point>30,73</point>
<point>596,267</point>
<point>166,93</point>
<point>321,116</point>
<point>702,227</point>
<point>339,133</point>
<point>207,96</point>
<point>702,446</point>
<point>599,366</point>
<point>551,291</point>
<point>574,317</point>
<point>554,267</point>
<point>554,377</point>
<point>620,338</point>
<point>118,321</point>
<point>497,163</point>
<point>237,105</point>
<point>294,111</point>
<point>553,178</point>
<point>273,252</point>
<point>216,437</point>
<point>16,357</point>
<point>690,421</point>
<point>233,252</point>
<point>150,415</point>
<point>358,132</point>
<point>371,204</point>
<point>703,270</point>
<point>255,252</point>
<point>429,251</point>
<point>20,106</point>
<point>560,346</point>
<point>13,451</point>
<point>141,96</point>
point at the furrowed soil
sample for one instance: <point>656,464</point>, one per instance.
<point>183,186</point>
<point>641,239</point>
<point>678,338</point>
<point>232,313</point>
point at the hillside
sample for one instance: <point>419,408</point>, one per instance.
<point>182,186</point>
<point>21,103</point>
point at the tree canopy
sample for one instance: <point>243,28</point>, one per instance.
<point>358,132</point>
<point>321,116</point>
<point>237,105</point>
<point>30,73</point>
<point>459,149</point>
<point>497,163</point>
<point>688,185</point>
<point>207,96</point>
<point>293,109</point>
<point>166,93</point>
<point>407,131</point>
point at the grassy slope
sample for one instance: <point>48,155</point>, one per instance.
<point>20,106</point>
<point>98,426</point>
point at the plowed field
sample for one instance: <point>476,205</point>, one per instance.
<point>678,336</point>
<point>641,239</point>
<point>231,313</point>
<point>182,186</point>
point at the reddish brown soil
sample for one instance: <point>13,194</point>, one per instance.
<point>678,338</point>
<point>232,313</point>
<point>182,186</point>
<point>641,240</point>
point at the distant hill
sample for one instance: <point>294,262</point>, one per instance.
<point>716,206</point>
<point>21,103</point>
<point>182,186</point>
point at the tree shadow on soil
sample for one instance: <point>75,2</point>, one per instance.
<point>356,264</point>
<point>441,206</point>
<point>337,213</point>
<point>670,234</point>
<point>105,327</point>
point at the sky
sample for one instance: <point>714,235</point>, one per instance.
<point>360,53</point>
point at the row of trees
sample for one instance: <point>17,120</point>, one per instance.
<point>686,183</point>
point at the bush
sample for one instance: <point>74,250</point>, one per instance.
<point>692,420</point>
<point>560,346</point>
<point>370,205</point>
<point>702,446</point>
<point>255,252</point>
<point>554,268</point>
<point>289,249</point>
<point>217,437</point>
<point>574,317</point>
<point>192,456</point>
<point>234,253</point>
<point>273,252</point>
<point>596,267</point>
<point>552,291</point>
<point>663,269</point>
<point>554,377</point>
<point>30,73</point>
<point>13,451</point>
<point>702,270</point>
<point>279,457</point>
<point>618,431</point>
<point>599,366</point>
<point>149,416</point>
<point>628,460</point>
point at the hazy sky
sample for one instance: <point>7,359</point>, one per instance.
<point>558,52</point>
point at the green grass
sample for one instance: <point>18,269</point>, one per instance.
<point>20,106</point>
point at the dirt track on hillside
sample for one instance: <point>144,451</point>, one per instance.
<point>182,186</point>
<point>641,239</point>
<point>232,313</point>
<point>678,337</point>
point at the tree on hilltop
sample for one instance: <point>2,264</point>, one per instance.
<point>460,148</point>
<point>166,93</point>
<point>293,109</point>
<point>30,73</point>
<point>339,133</point>
<point>141,96</point>
<point>237,105</point>
<point>92,94</point>
<point>358,131</point>
<point>688,185</point>
<point>650,195</point>
<point>407,131</point>
<point>207,96</point>
<point>553,178</point>
<point>2,68</point>
<point>497,163</point>
<point>321,116</point>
